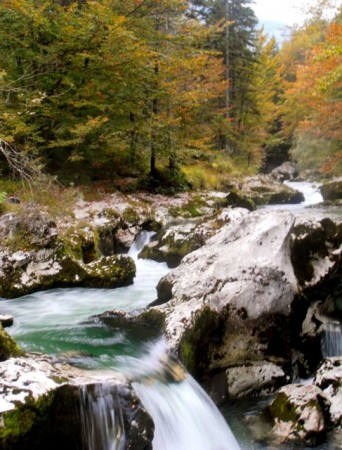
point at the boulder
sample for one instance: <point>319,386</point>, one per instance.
<point>30,227</point>
<point>263,190</point>
<point>329,378</point>
<point>6,320</point>
<point>286,171</point>
<point>177,240</point>
<point>300,413</point>
<point>25,272</point>
<point>259,377</point>
<point>224,304</point>
<point>8,346</point>
<point>315,249</point>
<point>332,190</point>
<point>48,405</point>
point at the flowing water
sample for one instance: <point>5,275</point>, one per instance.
<point>311,206</point>
<point>59,322</point>
<point>101,418</point>
<point>332,339</point>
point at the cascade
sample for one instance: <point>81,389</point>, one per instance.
<point>183,414</point>
<point>331,341</point>
<point>142,239</point>
<point>101,418</point>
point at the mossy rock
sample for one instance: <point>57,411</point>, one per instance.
<point>170,250</point>
<point>110,272</point>
<point>290,196</point>
<point>52,421</point>
<point>283,410</point>
<point>237,200</point>
<point>332,190</point>
<point>8,347</point>
<point>196,343</point>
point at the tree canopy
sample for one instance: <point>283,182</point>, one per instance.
<point>110,88</point>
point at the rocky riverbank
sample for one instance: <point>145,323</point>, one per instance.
<point>244,307</point>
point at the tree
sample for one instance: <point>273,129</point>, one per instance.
<point>313,104</point>
<point>236,40</point>
<point>70,74</point>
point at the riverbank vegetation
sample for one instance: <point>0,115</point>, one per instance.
<point>171,94</point>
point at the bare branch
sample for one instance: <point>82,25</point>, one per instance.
<point>20,162</point>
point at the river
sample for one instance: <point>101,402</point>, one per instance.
<point>60,322</point>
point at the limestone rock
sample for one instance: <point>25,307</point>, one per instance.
<point>25,272</point>
<point>224,303</point>
<point>45,405</point>
<point>329,378</point>
<point>286,171</point>
<point>31,226</point>
<point>300,413</point>
<point>332,190</point>
<point>263,190</point>
<point>6,320</point>
<point>259,377</point>
<point>8,346</point>
<point>177,240</point>
<point>315,249</point>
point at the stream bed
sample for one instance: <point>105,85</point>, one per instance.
<point>60,322</point>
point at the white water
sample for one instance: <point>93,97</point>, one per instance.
<point>185,417</point>
<point>311,191</point>
<point>101,418</point>
<point>331,342</point>
<point>52,309</point>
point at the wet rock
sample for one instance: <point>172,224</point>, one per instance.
<point>6,320</point>
<point>255,378</point>
<point>263,190</point>
<point>300,413</point>
<point>45,405</point>
<point>224,303</point>
<point>329,378</point>
<point>332,190</point>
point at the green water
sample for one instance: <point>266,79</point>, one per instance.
<point>60,322</point>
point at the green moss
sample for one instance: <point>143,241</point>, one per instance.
<point>194,349</point>
<point>51,422</point>
<point>8,346</point>
<point>154,318</point>
<point>191,209</point>
<point>283,410</point>
<point>19,422</point>
<point>130,215</point>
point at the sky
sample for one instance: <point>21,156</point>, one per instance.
<point>285,11</point>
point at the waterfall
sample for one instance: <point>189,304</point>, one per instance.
<point>143,238</point>
<point>184,416</point>
<point>101,418</point>
<point>331,341</point>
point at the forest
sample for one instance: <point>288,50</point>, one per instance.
<point>171,93</point>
